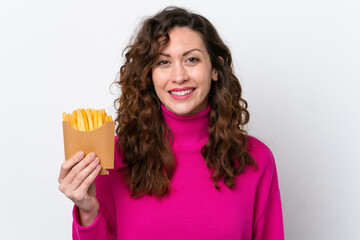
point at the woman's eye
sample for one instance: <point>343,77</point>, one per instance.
<point>162,62</point>
<point>192,60</point>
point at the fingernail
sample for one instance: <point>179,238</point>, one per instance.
<point>80,154</point>
<point>96,160</point>
<point>92,155</point>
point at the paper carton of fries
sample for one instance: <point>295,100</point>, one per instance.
<point>90,131</point>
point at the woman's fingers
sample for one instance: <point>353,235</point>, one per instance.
<point>77,171</point>
<point>67,165</point>
<point>81,177</point>
<point>76,180</point>
<point>81,192</point>
<point>79,166</point>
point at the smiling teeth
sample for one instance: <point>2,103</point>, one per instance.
<point>182,93</point>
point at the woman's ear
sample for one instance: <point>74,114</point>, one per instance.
<point>214,72</point>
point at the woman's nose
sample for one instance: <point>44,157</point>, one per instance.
<point>179,73</point>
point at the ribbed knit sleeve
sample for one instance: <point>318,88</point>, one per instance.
<point>97,230</point>
<point>268,221</point>
<point>104,226</point>
<point>270,224</point>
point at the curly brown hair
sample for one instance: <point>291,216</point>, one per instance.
<point>143,134</point>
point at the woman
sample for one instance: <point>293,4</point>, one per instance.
<point>184,166</point>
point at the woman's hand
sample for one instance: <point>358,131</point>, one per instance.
<point>76,181</point>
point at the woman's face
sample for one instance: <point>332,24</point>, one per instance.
<point>183,73</point>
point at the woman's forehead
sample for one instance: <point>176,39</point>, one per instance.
<point>183,39</point>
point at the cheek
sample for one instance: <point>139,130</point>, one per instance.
<point>156,79</point>
<point>207,84</point>
<point>204,79</point>
<point>159,84</point>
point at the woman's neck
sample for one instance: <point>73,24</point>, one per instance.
<point>188,131</point>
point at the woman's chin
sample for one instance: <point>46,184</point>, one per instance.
<point>184,110</point>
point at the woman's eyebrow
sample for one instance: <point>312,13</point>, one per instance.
<point>184,54</point>
<point>165,55</point>
<point>187,52</point>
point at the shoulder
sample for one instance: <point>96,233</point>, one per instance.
<point>265,164</point>
<point>260,152</point>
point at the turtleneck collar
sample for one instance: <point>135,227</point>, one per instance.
<point>188,131</point>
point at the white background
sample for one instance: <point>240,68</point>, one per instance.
<point>298,62</point>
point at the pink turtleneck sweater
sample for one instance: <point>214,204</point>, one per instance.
<point>194,209</point>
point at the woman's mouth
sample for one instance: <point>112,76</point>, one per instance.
<point>181,94</point>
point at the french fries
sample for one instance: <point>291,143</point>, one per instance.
<point>87,120</point>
